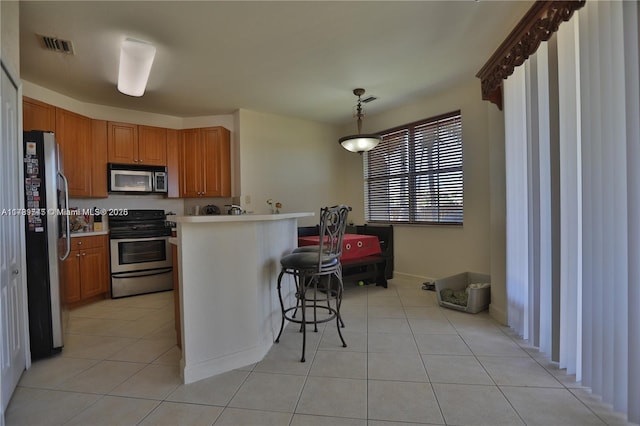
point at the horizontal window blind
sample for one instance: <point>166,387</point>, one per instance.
<point>415,174</point>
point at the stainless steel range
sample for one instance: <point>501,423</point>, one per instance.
<point>140,253</point>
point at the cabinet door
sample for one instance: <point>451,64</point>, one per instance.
<point>173,163</point>
<point>191,164</point>
<point>122,141</point>
<point>92,272</point>
<point>37,115</point>
<point>216,162</point>
<point>152,145</point>
<point>73,133</point>
<point>105,279</point>
<point>71,277</point>
<point>99,169</point>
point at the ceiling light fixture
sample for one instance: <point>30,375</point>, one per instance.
<point>359,143</point>
<point>136,58</point>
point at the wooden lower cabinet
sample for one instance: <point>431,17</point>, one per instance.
<point>71,277</point>
<point>86,271</point>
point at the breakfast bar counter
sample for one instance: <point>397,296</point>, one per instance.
<point>228,268</point>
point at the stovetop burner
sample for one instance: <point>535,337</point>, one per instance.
<point>139,224</point>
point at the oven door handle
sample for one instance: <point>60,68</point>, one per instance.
<point>136,274</point>
<point>135,240</point>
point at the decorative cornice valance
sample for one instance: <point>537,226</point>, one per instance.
<point>538,25</point>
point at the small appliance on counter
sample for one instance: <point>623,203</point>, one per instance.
<point>169,223</point>
<point>97,221</point>
<point>210,210</point>
<point>234,209</point>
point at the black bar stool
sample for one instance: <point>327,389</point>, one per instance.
<point>313,273</point>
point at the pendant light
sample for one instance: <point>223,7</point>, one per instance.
<point>361,142</point>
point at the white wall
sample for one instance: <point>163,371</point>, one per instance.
<point>438,251</point>
<point>290,160</point>
<point>10,34</point>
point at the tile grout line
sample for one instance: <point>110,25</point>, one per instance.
<point>426,371</point>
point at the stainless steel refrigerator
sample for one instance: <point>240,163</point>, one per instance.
<point>47,240</point>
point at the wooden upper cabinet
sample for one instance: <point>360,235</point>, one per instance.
<point>99,169</point>
<point>173,162</point>
<point>216,167</point>
<point>37,115</point>
<point>122,142</point>
<point>152,145</point>
<point>73,134</point>
<point>205,162</point>
<point>134,144</point>
<point>190,163</point>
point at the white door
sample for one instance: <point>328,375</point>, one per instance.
<point>12,294</point>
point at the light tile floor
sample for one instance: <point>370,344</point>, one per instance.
<point>408,361</point>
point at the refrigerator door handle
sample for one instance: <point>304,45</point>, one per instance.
<point>66,208</point>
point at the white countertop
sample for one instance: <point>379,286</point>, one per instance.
<point>237,218</point>
<point>88,234</point>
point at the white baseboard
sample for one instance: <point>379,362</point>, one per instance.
<point>212,367</point>
<point>498,314</point>
<point>404,276</point>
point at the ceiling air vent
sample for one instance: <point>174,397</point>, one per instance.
<point>56,44</point>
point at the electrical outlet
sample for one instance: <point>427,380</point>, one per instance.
<point>247,199</point>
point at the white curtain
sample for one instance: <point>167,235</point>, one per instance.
<point>515,118</point>
<point>597,105</point>
<point>529,183</point>
<point>631,20</point>
<point>570,200</point>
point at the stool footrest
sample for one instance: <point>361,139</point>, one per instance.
<point>290,318</point>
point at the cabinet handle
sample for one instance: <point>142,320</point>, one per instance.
<point>79,243</point>
<point>78,255</point>
<point>84,254</point>
<point>16,271</point>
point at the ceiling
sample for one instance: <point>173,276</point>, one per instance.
<point>300,59</point>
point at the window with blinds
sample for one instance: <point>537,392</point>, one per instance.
<point>414,175</point>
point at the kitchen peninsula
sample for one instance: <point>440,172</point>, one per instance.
<point>228,268</point>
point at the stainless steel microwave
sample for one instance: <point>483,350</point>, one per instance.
<point>128,178</point>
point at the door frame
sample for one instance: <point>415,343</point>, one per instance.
<point>13,76</point>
